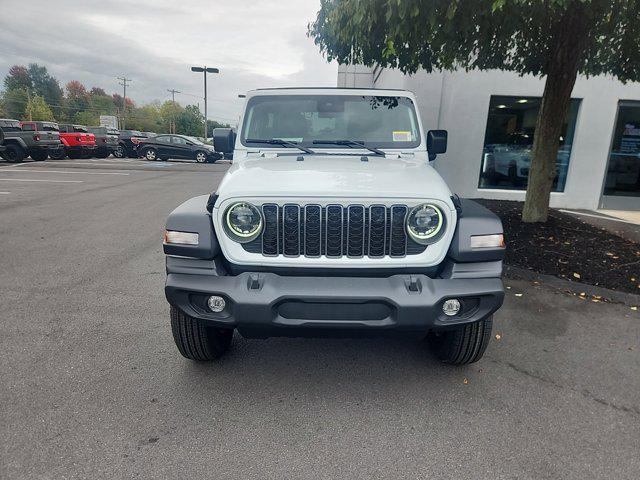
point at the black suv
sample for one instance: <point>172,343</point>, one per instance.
<point>106,140</point>
<point>128,141</point>
<point>163,147</point>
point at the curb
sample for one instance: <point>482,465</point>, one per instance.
<point>517,273</point>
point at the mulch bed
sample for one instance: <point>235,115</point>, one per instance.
<point>566,247</point>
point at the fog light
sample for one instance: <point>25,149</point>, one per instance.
<point>216,304</point>
<point>451,307</point>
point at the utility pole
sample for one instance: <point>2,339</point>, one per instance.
<point>123,82</point>
<point>172,127</point>
<point>29,105</point>
<point>205,70</point>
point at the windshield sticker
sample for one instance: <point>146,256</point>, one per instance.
<point>401,136</point>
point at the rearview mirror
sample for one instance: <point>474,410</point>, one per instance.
<point>224,140</point>
<point>436,143</point>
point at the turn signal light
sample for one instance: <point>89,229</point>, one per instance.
<point>488,241</point>
<point>180,238</point>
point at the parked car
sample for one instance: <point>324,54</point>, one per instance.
<point>2,147</point>
<point>77,141</point>
<point>106,140</point>
<point>332,221</point>
<point>48,132</point>
<point>162,147</point>
<point>21,143</point>
<point>128,140</point>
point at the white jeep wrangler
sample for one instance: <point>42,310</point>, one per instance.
<point>331,221</point>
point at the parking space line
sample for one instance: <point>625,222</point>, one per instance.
<point>5,193</point>
<point>40,180</point>
<point>70,172</point>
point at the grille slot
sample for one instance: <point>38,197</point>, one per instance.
<point>312,230</point>
<point>291,230</point>
<point>270,243</point>
<point>355,231</point>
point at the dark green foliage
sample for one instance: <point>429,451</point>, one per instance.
<point>513,35</point>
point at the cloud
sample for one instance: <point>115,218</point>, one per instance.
<point>154,42</point>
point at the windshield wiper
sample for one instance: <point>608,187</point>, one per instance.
<point>350,143</point>
<point>278,141</point>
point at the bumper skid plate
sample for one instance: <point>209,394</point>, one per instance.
<point>260,305</point>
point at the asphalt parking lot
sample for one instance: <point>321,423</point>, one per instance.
<point>93,386</point>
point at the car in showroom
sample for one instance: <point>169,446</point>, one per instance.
<point>163,147</point>
<point>332,221</point>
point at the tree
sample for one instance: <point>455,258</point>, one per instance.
<point>190,121</point>
<point>18,77</point>
<point>46,86</point>
<point>77,99</point>
<point>37,109</point>
<point>556,39</point>
<point>14,102</point>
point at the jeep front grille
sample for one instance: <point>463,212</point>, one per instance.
<point>335,231</point>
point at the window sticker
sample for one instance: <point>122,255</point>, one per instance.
<point>401,136</point>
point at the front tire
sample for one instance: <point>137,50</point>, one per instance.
<point>466,344</point>
<point>39,156</point>
<point>151,154</point>
<point>58,154</point>
<point>14,153</point>
<point>119,152</point>
<point>196,340</point>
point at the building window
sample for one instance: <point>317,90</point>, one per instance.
<point>623,173</point>
<point>508,141</point>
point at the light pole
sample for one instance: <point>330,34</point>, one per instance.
<point>205,70</point>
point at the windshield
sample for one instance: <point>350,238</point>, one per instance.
<point>380,121</point>
<point>50,127</point>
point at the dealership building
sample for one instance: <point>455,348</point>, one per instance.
<point>491,120</point>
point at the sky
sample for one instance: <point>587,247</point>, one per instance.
<point>254,43</point>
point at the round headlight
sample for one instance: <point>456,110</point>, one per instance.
<point>243,222</point>
<point>424,223</point>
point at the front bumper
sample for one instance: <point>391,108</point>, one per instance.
<point>260,305</point>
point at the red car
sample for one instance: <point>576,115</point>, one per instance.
<point>77,141</point>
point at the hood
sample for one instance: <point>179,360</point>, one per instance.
<point>333,176</point>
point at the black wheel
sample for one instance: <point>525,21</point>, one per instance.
<point>197,341</point>
<point>58,154</point>
<point>150,154</point>
<point>39,156</point>
<point>14,153</point>
<point>119,152</point>
<point>201,157</point>
<point>466,344</point>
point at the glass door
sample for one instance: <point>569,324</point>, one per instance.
<point>622,181</point>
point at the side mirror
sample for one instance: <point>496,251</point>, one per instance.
<point>436,143</point>
<point>224,140</point>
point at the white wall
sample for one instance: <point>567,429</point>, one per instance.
<point>459,103</point>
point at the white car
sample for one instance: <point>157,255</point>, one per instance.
<point>331,221</point>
